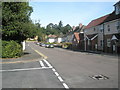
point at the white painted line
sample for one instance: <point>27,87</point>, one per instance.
<point>56,74</point>
<point>47,63</point>
<point>23,69</point>
<point>65,85</point>
<point>60,78</point>
<point>41,63</point>
<point>53,70</point>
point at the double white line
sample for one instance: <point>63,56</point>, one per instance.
<point>42,64</point>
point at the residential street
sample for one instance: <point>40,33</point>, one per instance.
<point>73,70</point>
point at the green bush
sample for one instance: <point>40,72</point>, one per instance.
<point>66,45</point>
<point>11,49</point>
<point>50,43</point>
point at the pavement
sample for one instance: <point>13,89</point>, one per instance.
<point>95,53</point>
<point>29,55</point>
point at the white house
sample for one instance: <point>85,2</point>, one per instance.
<point>59,39</point>
<point>51,38</point>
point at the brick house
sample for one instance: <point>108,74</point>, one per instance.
<point>93,34</point>
<point>112,30</point>
<point>76,37</point>
<point>75,41</point>
<point>103,33</point>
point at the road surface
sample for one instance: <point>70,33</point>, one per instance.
<point>62,69</point>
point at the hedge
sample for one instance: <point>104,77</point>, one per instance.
<point>11,49</point>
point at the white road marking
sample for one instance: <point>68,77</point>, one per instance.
<point>53,69</point>
<point>47,63</point>
<point>56,74</point>
<point>27,69</point>
<point>65,85</point>
<point>41,63</point>
<point>60,78</point>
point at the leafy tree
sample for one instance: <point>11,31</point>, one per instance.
<point>16,24</point>
<point>66,29</point>
<point>57,29</point>
<point>38,25</point>
<point>60,24</point>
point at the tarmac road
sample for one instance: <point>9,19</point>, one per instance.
<point>74,68</point>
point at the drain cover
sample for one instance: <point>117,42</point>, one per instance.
<point>99,77</point>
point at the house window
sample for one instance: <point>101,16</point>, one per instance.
<point>101,42</point>
<point>108,27</point>
<point>94,29</point>
<point>118,25</point>
<point>108,42</point>
<point>101,28</point>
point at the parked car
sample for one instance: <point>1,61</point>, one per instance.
<point>42,45</point>
<point>37,43</point>
<point>49,46</point>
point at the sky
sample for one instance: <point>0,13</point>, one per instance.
<point>71,13</point>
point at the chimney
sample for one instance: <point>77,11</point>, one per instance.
<point>80,25</point>
<point>73,28</point>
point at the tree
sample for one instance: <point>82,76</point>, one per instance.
<point>60,24</point>
<point>57,29</point>
<point>16,24</point>
<point>66,29</point>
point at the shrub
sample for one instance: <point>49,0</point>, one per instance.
<point>66,45</point>
<point>11,49</point>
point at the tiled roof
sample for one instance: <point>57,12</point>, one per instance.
<point>112,16</point>
<point>96,22</point>
<point>52,36</point>
<point>106,18</point>
<point>76,34</point>
<point>117,3</point>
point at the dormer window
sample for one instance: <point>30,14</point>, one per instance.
<point>117,8</point>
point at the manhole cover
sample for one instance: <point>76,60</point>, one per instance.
<point>99,77</point>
